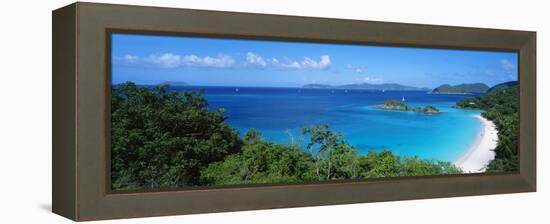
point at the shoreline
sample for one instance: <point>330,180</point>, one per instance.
<point>481,151</point>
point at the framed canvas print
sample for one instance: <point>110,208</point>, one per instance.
<point>201,111</point>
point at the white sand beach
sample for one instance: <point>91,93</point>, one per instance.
<point>481,152</point>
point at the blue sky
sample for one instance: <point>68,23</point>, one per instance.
<point>146,59</point>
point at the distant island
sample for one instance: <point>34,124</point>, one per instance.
<point>174,83</point>
<point>502,86</point>
<point>474,88</point>
<point>398,105</point>
<point>367,86</point>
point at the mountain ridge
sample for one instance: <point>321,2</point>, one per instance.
<point>465,88</point>
<point>503,86</point>
<point>366,86</point>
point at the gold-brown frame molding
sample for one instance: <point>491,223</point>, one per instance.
<point>81,116</point>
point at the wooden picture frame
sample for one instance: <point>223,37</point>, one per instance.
<point>81,111</point>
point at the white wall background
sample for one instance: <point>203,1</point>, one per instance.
<point>25,111</point>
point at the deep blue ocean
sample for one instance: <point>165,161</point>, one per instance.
<point>279,113</point>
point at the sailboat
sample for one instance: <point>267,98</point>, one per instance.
<point>403,99</point>
<point>236,89</point>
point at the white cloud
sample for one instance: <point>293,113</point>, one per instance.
<point>131,58</point>
<point>167,60</point>
<point>253,59</point>
<point>325,61</point>
<point>372,80</point>
<point>507,65</point>
<point>126,59</point>
<point>377,80</point>
<point>307,63</point>
<point>170,60</point>
<point>290,64</point>
<point>220,61</point>
<point>356,69</point>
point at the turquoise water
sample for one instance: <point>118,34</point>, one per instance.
<point>280,112</point>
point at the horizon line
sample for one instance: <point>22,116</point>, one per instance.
<point>300,86</point>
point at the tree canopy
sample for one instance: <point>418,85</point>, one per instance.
<point>500,106</point>
<point>162,138</point>
<point>328,157</point>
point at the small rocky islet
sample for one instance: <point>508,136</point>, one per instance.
<point>400,106</point>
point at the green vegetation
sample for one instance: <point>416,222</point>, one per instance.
<point>430,109</point>
<point>395,103</point>
<point>398,105</point>
<point>503,85</point>
<point>174,83</point>
<point>426,110</point>
<point>461,89</point>
<point>162,138</point>
<point>261,162</point>
<point>500,105</point>
<point>328,157</point>
<point>392,105</point>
